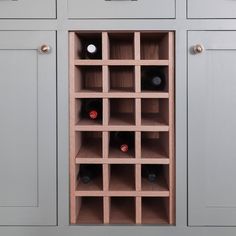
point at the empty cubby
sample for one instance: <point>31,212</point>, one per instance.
<point>94,171</point>
<point>83,39</point>
<point>154,46</point>
<point>88,144</point>
<point>88,79</point>
<point>90,210</point>
<point>160,183</point>
<point>122,210</point>
<point>121,79</point>
<point>122,177</point>
<point>155,145</point>
<point>155,210</point>
<point>82,116</point>
<point>122,111</point>
<point>115,147</point>
<point>154,111</point>
<point>121,45</point>
<point>152,71</point>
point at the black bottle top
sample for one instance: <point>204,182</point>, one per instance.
<point>150,172</point>
<point>88,172</point>
<point>153,78</point>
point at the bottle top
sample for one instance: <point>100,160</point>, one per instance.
<point>93,114</point>
<point>156,80</point>
<point>124,148</point>
<point>91,48</point>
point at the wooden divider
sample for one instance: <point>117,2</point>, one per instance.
<point>119,194</point>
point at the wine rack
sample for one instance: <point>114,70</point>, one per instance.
<point>119,194</point>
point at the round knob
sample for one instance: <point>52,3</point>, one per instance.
<point>44,49</point>
<point>198,48</point>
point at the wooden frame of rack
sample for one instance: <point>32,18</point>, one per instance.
<point>116,80</point>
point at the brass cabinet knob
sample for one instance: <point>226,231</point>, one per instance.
<point>198,48</point>
<point>45,49</point>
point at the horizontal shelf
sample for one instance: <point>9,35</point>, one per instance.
<point>158,128</point>
<point>164,161</point>
<point>121,62</point>
<point>112,94</point>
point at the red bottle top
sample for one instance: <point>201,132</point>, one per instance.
<point>124,148</point>
<point>93,114</point>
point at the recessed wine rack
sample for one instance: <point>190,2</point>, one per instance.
<point>119,194</point>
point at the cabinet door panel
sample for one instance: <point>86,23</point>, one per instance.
<point>28,129</point>
<point>212,129</point>
<point>211,9</point>
<point>27,9</point>
<point>121,9</point>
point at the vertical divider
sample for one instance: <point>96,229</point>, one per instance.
<point>105,144</point>
<point>73,204</point>
<point>105,79</point>
<point>138,210</point>
<point>171,130</point>
<point>138,145</point>
<point>106,111</point>
<point>137,79</point>
<point>105,46</point>
<point>106,209</point>
<point>137,45</point>
<point>138,112</point>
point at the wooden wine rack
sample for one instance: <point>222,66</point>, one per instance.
<point>119,195</point>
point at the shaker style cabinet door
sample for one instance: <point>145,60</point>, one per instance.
<point>27,9</point>
<point>28,128</point>
<point>208,9</point>
<point>121,9</point>
<point>212,128</point>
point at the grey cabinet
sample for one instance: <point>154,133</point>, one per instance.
<point>212,129</point>
<point>121,8</point>
<point>28,129</point>
<point>211,9</point>
<point>27,9</point>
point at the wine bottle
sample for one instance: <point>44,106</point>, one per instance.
<point>92,109</point>
<point>124,140</point>
<point>88,172</point>
<point>152,78</point>
<point>150,172</point>
<point>92,50</point>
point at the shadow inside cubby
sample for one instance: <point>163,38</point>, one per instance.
<point>155,145</point>
<point>154,46</point>
<point>88,79</point>
<point>90,177</point>
<point>90,210</point>
<point>88,144</point>
<point>122,111</point>
<point>82,42</point>
<point>122,210</point>
<point>122,177</point>
<point>121,45</point>
<point>154,111</point>
<point>155,210</point>
<point>121,79</point>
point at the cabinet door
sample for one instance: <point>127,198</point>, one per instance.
<point>27,9</point>
<point>212,129</point>
<point>211,9</point>
<point>27,129</point>
<point>121,9</point>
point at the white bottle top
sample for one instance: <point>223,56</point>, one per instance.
<point>91,48</point>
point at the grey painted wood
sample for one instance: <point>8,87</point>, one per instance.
<point>211,9</point>
<point>211,129</point>
<point>121,9</point>
<point>28,129</point>
<point>27,9</point>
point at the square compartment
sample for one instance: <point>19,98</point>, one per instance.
<point>96,183</point>
<point>83,39</point>
<point>122,111</point>
<point>161,182</point>
<point>155,46</point>
<point>155,70</point>
<point>88,144</point>
<point>90,210</point>
<point>122,177</point>
<point>155,210</point>
<point>154,111</point>
<point>88,79</point>
<point>114,148</point>
<point>155,145</point>
<point>82,118</point>
<point>121,45</point>
<point>121,78</point>
<point>122,210</point>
